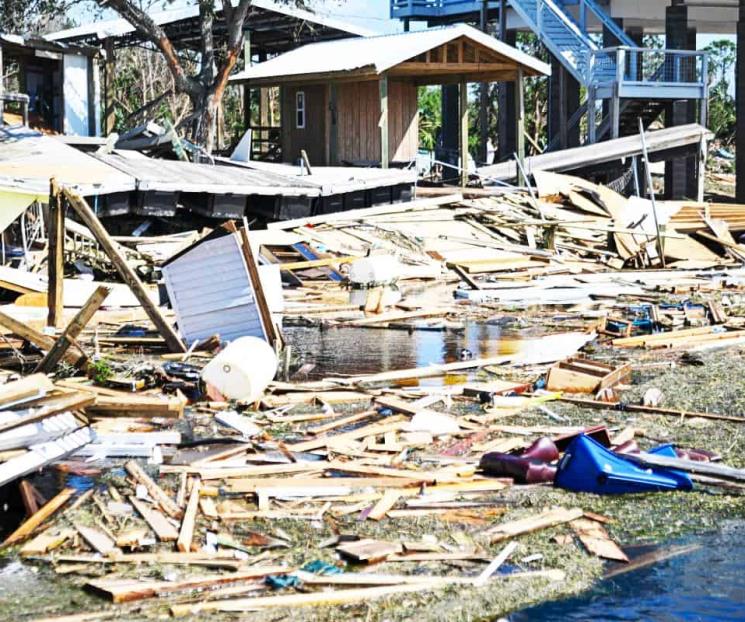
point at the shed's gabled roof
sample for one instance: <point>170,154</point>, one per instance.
<point>378,54</point>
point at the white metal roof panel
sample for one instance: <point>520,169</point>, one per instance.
<point>119,27</point>
<point>378,53</point>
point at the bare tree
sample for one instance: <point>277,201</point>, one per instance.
<point>206,86</point>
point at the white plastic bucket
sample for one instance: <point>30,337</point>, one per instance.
<point>243,369</point>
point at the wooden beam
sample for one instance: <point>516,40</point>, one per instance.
<point>55,261</point>
<point>190,516</point>
<point>385,155</point>
<point>272,332</point>
<point>49,508</point>
<point>73,329</point>
<point>78,203</point>
<point>463,92</point>
<point>155,491</point>
<point>158,522</point>
<point>520,118</point>
<point>109,117</point>
<point>45,342</point>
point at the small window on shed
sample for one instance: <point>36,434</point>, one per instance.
<point>300,110</point>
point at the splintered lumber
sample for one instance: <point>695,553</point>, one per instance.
<point>190,516</point>
<point>156,492</point>
<point>97,540</point>
<point>391,424</point>
<point>127,590</point>
<point>72,330</point>
<point>596,540</point>
<point>157,521</point>
<point>548,518</point>
<point>73,355</point>
<point>129,276</point>
<point>34,521</point>
<point>335,597</point>
<point>691,335</point>
<point>387,501</point>
<point>396,316</point>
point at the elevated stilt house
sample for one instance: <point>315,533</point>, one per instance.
<point>354,101</point>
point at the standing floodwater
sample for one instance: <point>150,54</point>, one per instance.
<point>706,585</point>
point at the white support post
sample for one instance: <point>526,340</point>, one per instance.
<point>383,124</point>
<point>463,92</point>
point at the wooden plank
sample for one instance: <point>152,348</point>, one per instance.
<point>158,522</point>
<point>156,492</point>
<point>596,540</point>
<point>73,330</point>
<point>45,542</point>
<point>128,590</point>
<point>548,518</point>
<point>317,486</point>
<point>96,539</point>
<point>190,516</point>
<point>129,276</point>
<point>24,390</point>
<point>47,510</point>
<point>335,597</point>
<point>494,565</point>
<point>711,469</point>
<point>55,261</point>
<point>368,550</point>
<point>272,332</point>
<point>386,503</point>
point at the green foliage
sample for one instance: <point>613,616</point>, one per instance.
<point>100,371</point>
<point>722,111</point>
<point>430,116</point>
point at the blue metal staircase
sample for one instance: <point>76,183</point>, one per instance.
<point>622,74</point>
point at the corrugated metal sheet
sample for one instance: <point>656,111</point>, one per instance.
<point>175,176</point>
<point>379,54</point>
<point>211,292</point>
<point>120,27</point>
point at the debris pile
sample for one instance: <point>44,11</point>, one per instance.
<point>228,466</point>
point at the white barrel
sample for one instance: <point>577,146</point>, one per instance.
<point>243,369</point>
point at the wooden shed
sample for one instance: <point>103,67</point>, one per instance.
<point>354,101</point>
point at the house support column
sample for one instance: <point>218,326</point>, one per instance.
<point>563,102</point>
<point>484,94</point>
<point>507,114</point>
<point>680,173</point>
<point>108,97</point>
<point>385,157</point>
<point>463,92</point>
<point>449,133</point>
<point>740,104</point>
<point>2,86</point>
<point>520,122</point>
